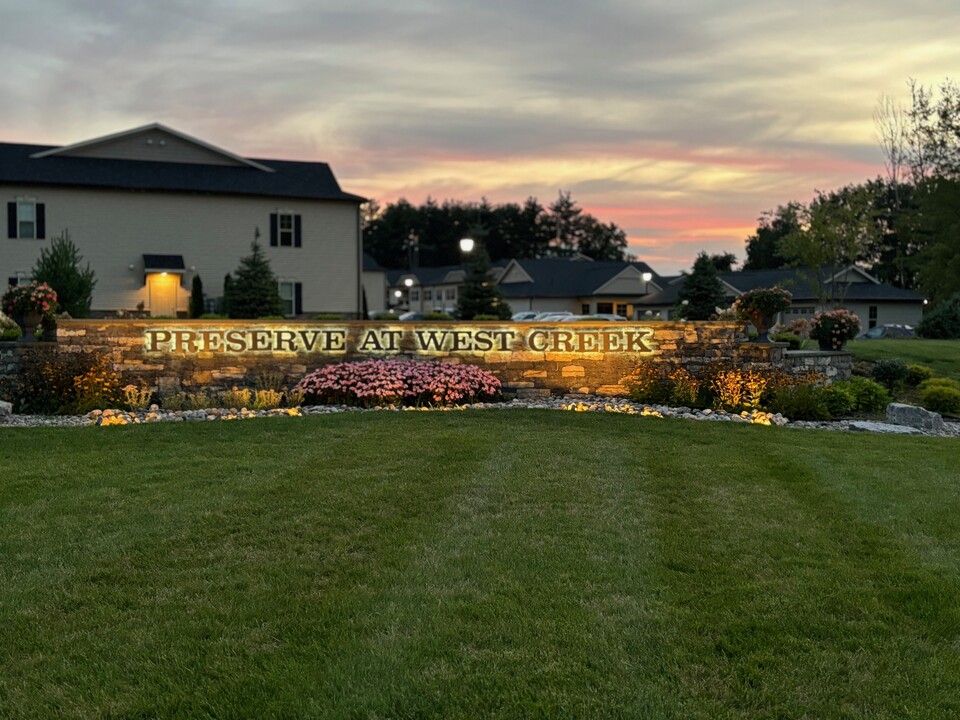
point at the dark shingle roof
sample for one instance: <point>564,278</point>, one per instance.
<point>305,180</point>
<point>560,277</point>
<point>797,280</point>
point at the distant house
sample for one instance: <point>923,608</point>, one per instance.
<point>151,207</point>
<point>853,288</point>
<point>374,285</point>
<point>577,285</point>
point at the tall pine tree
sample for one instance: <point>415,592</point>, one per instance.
<point>702,291</point>
<point>480,294</point>
<point>254,292</point>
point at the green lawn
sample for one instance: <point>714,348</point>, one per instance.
<point>477,565</point>
<point>941,355</point>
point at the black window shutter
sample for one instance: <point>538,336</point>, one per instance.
<point>41,221</point>
<point>11,220</point>
<point>296,231</point>
<point>297,298</point>
<point>274,222</point>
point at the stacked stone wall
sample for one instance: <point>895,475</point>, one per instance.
<point>530,359</point>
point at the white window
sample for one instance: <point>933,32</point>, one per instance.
<point>451,294</point>
<point>285,229</point>
<point>414,296</point>
<point>26,220</point>
<point>428,294</point>
<point>289,297</point>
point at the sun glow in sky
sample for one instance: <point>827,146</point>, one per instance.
<point>681,122</point>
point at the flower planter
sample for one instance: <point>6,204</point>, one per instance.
<point>827,345</point>
<point>29,322</point>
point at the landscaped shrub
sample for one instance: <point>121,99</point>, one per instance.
<point>96,389</point>
<point>267,380</point>
<point>267,399</point>
<point>328,316</point>
<point>686,388</point>
<point>943,322</point>
<point>792,339</point>
<point>890,373</point>
<point>45,382</point>
<point>236,398</point>
<point>801,402</point>
<point>198,401</point>
<point>840,399</point>
<point>649,382</point>
<point>735,389</point>
<point>9,330</point>
<point>916,374</point>
<point>293,397</point>
<point>938,382</point>
<point>870,397</point>
<point>436,316</point>
<point>173,401</point>
<point>137,398</point>
<point>941,398</point>
<point>380,382</point>
<point>486,316</point>
<point>383,316</point>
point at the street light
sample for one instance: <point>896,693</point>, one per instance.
<point>408,282</point>
<point>466,245</point>
<point>647,277</point>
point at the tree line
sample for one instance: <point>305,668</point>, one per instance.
<point>904,225</point>
<point>403,235</point>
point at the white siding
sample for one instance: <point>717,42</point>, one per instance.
<point>375,286</point>
<point>114,228</point>
<point>888,313</point>
<point>155,146</point>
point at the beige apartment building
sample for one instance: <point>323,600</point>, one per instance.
<point>151,207</point>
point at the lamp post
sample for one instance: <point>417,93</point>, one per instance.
<point>467,245</point>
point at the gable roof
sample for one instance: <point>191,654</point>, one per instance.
<point>797,280</point>
<point>62,167</point>
<point>561,277</point>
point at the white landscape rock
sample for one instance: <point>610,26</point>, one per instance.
<point>882,427</point>
<point>915,417</point>
<point>5,409</point>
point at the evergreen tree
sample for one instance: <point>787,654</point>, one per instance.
<point>254,291</point>
<point>59,267</point>
<point>224,308</point>
<point>481,295</point>
<point>196,297</point>
<point>702,291</point>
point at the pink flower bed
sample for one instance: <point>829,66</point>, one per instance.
<point>399,382</point>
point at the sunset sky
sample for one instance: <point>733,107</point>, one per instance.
<point>679,121</point>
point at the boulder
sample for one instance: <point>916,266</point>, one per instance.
<point>5,409</point>
<point>915,417</point>
<point>882,427</point>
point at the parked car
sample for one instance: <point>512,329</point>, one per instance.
<point>887,332</point>
<point>603,317</point>
<point>411,316</point>
<point>553,316</point>
<point>525,316</point>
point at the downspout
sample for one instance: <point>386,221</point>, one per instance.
<point>359,267</point>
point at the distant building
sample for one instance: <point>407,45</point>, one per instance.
<point>635,291</point>
<point>855,289</point>
<point>151,207</point>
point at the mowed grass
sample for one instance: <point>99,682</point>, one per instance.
<point>943,356</point>
<point>477,565</point>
